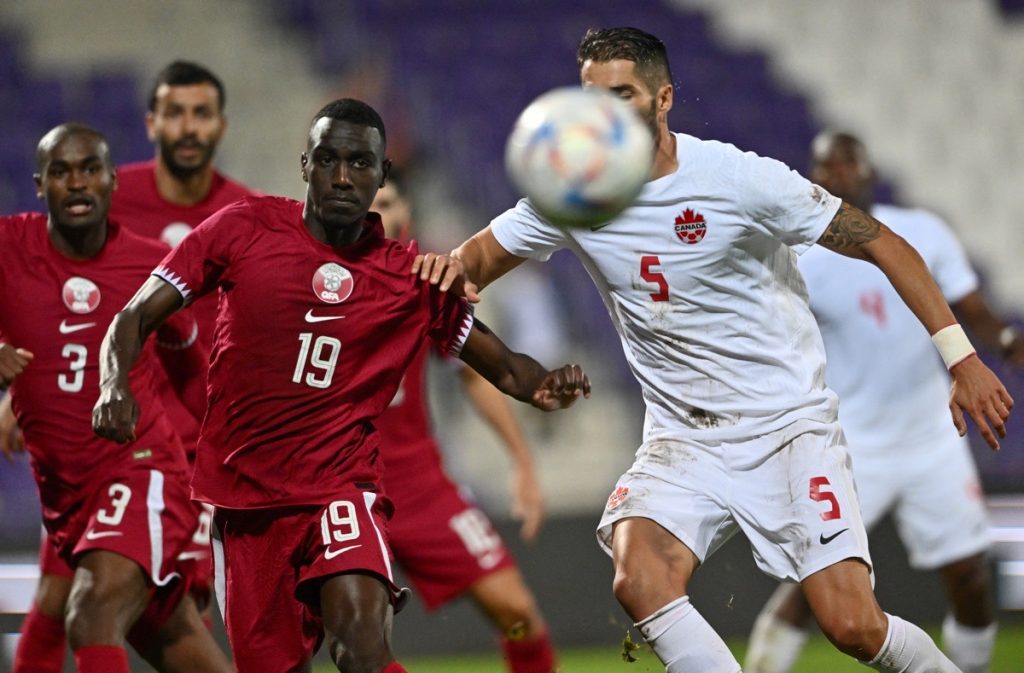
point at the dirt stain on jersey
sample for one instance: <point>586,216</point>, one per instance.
<point>668,454</point>
<point>702,418</point>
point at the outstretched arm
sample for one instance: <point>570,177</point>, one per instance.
<point>116,411</point>
<point>527,500</point>
<point>976,389</point>
<point>519,375</point>
<point>480,261</point>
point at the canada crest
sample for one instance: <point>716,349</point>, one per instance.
<point>332,283</point>
<point>80,295</point>
<point>691,227</point>
<point>617,497</point>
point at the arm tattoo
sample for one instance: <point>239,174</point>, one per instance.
<point>850,228</point>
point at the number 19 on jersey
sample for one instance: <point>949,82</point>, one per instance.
<point>319,355</point>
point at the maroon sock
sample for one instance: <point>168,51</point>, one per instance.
<point>394,667</point>
<point>532,655</point>
<point>41,647</point>
<point>101,659</point>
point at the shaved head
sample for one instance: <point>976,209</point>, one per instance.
<point>58,134</point>
<point>840,164</point>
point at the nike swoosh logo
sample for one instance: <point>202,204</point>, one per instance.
<point>321,318</point>
<point>189,555</point>
<point>93,535</point>
<point>825,540</point>
<point>65,328</point>
<point>331,553</point>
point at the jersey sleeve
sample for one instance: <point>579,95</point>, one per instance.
<point>782,203</point>
<point>199,263</point>
<point>948,262</point>
<point>451,321</point>
<point>524,233</point>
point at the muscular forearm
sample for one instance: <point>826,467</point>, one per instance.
<point>484,259</point>
<point>121,348</point>
<point>856,234</point>
<point>910,277</point>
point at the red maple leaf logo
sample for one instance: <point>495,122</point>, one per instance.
<point>691,227</point>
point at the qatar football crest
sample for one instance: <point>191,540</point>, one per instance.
<point>691,227</point>
<point>174,232</point>
<point>80,295</point>
<point>332,283</point>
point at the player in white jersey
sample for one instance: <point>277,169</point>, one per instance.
<point>893,391</point>
<point>700,279</point>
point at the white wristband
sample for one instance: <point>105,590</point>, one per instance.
<point>953,344</point>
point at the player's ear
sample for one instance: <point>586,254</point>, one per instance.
<point>150,130</point>
<point>664,97</point>
<point>303,160</point>
<point>385,171</point>
<point>38,179</point>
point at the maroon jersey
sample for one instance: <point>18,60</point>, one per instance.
<point>138,205</point>
<point>310,345</point>
<point>406,437</point>
<point>59,309</point>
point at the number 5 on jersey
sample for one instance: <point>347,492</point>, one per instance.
<point>320,354</point>
<point>652,275</point>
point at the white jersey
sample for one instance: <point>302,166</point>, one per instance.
<point>893,387</point>
<point>699,276</point>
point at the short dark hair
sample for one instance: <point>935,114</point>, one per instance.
<point>58,133</point>
<point>629,44</point>
<point>184,73</point>
<point>354,111</point>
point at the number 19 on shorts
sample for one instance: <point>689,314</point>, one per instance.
<point>317,360</point>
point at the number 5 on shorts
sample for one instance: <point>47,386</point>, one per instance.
<point>819,495</point>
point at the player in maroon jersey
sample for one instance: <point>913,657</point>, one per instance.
<point>119,515</point>
<point>446,545</point>
<point>320,316</point>
<point>168,196</point>
<point>162,199</point>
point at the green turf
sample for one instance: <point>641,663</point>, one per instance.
<point>819,656</point>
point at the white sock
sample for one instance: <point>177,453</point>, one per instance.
<point>686,643</point>
<point>908,649</point>
<point>774,645</point>
<point>969,647</point>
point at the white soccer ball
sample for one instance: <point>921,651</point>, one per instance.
<point>580,155</point>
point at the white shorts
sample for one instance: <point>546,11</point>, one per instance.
<point>791,492</point>
<point>933,493</point>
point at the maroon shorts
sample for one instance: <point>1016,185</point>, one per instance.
<point>50,562</point>
<point>145,516</point>
<point>269,564</point>
<point>442,541</point>
<point>196,560</point>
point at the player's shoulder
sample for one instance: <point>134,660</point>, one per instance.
<point>20,229</point>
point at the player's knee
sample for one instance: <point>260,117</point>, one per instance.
<point>518,618</point>
<point>52,595</point>
<point>858,635</point>
<point>359,646</point>
<point>971,577</point>
<point>638,594</point>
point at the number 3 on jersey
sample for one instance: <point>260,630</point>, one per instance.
<point>320,354</point>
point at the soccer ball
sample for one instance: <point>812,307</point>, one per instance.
<point>580,155</point>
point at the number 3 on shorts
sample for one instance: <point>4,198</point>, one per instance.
<point>119,497</point>
<point>819,495</point>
